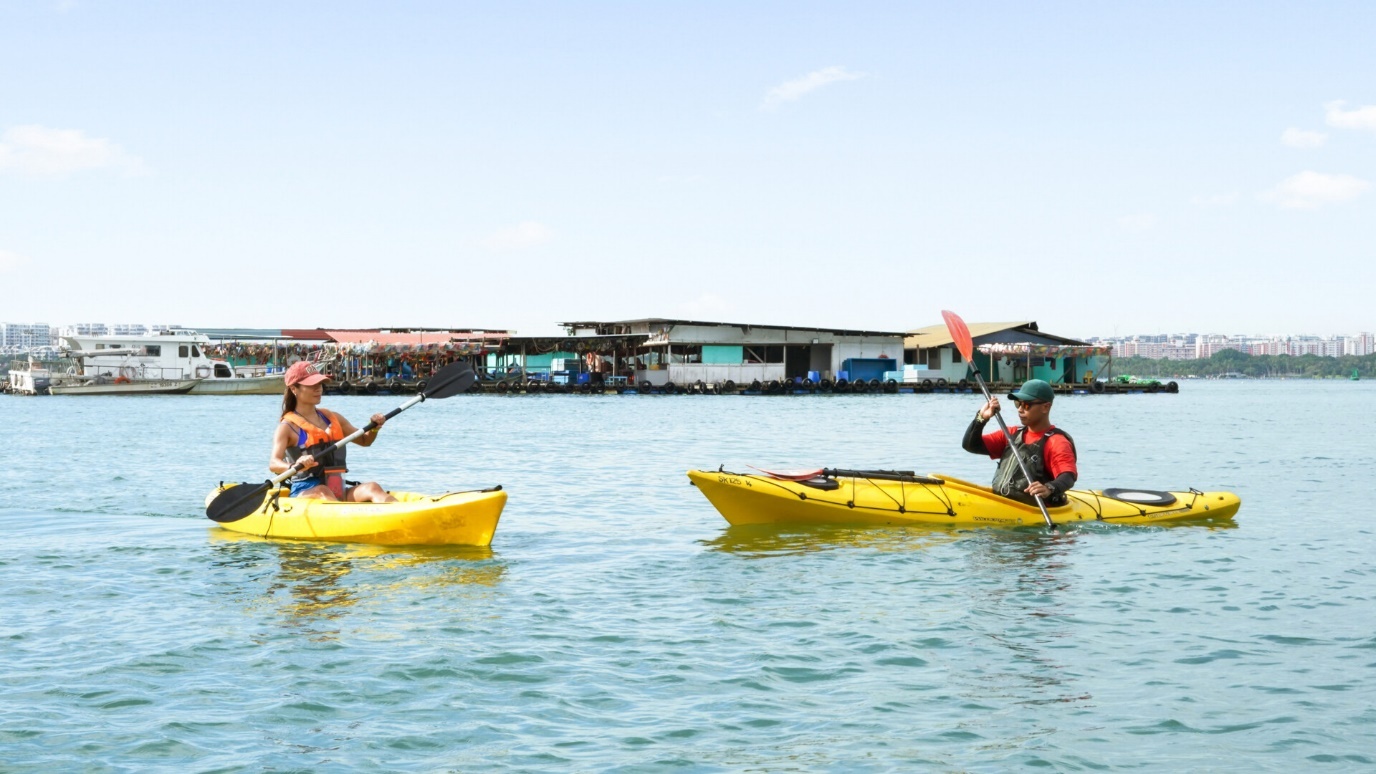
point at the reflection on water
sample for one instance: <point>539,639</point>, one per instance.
<point>1020,581</point>
<point>769,540</point>
<point>313,585</point>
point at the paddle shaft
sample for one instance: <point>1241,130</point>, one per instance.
<point>1012,448</point>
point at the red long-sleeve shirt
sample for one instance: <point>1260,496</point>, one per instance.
<point>1059,452</point>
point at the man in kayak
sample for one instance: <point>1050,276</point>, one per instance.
<point>305,430</point>
<point>1048,452</point>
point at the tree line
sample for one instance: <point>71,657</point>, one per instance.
<point>1232,362</point>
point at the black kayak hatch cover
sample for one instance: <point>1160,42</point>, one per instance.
<point>1141,496</point>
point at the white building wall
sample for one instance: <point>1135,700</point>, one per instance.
<point>684,374</point>
<point>843,347</point>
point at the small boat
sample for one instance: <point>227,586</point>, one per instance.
<point>466,518</point>
<point>30,377</point>
<point>119,385</point>
<point>879,498</point>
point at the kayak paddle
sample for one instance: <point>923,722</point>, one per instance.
<point>240,500</point>
<point>960,334</point>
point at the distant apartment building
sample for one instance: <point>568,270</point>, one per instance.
<point>1192,346</point>
<point>84,329</point>
<point>1359,344</point>
<point>1268,347</point>
<point>111,329</point>
<point>24,336</point>
<point>1208,346</point>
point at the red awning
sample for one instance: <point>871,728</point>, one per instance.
<point>411,339</point>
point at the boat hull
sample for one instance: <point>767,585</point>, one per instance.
<point>940,501</point>
<point>248,385</point>
<point>126,387</point>
<point>454,518</point>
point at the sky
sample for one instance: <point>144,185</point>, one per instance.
<point>1101,168</point>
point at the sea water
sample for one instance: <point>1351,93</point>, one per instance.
<point>618,623</point>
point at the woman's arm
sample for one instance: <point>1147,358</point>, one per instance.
<point>277,463</point>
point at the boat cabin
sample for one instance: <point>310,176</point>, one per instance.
<point>171,354</point>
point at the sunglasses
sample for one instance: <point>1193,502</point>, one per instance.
<point>1028,403</point>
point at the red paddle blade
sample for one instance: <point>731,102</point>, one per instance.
<point>960,334</point>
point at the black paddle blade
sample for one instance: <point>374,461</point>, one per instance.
<point>236,502</point>
<point>450,380</point>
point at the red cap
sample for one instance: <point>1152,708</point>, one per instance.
<point>304,373</point>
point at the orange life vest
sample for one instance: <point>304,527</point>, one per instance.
<point>308,436</point>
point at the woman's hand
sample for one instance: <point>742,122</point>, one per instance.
<point>305,462</point>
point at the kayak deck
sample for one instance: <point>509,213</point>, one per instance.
<point>882,498</point>
<point>467,518</point>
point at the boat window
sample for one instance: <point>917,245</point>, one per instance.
<point>222,371</point>
<point>152,350</point>
<point>182,351</point>
<point>100,346</point>
<point>195,351</point>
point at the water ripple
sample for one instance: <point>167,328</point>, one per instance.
<point>618,624</point>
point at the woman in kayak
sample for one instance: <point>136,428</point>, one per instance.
<point>1048,453</point>
<point>305,429</point>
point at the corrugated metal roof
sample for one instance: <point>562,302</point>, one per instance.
<point>651,321</point>
<point>939,336</point>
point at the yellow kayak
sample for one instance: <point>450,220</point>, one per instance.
<point>902,498</point>
<point>455,518</point>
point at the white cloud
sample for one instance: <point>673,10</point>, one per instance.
<point>799,87</point>
<point>1311,190</point>
<point>707,305</point>
<point>1144,221</point>
<point>11,261</point>
<point>521,236</point>
<point>1358,118</point>
<point>37,151</point>
<point>1299,138</point>
<point>1215,200</point>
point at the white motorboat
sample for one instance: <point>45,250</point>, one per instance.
<point>161,362</point>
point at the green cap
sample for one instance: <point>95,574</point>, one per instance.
<point>1034,389</point>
